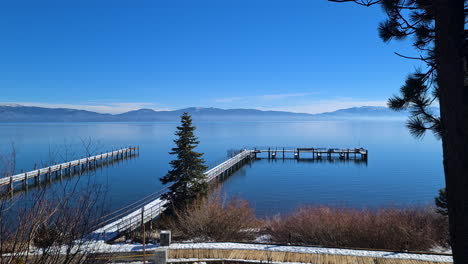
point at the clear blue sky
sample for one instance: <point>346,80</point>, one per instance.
<point>112,56</point>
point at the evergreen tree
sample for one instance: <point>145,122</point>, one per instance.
<point>187,173</point>
<point>440,38</point>
<point>441,202</point>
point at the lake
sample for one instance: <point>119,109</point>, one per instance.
<point>401,170</point>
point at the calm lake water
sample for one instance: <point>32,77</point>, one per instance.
<point>401,170</point>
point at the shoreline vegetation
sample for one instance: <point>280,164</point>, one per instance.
<point>217,219</point>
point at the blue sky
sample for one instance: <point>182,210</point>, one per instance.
<point>113,56</point>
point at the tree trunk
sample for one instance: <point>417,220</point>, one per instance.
<point>449,43</point>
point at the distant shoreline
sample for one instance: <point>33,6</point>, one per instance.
<point>30,114</point>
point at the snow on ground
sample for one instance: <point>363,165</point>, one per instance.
<point>101,246</point>
<point>263,239</point>
<point>315,250</point>
<point>441,250</point>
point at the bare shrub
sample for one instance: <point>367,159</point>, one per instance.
<point>48,225</point>
<point>215,219</point>
<point>394,229</point>
<point>47,229</point>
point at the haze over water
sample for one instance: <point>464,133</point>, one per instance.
<point>401,170</point>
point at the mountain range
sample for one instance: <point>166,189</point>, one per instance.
<point>20,113</point>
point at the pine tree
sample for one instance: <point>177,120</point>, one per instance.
<point>440,37</point>
<point>441,202</point>
<point>187,173</point>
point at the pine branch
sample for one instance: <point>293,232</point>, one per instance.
<point>359,2</point>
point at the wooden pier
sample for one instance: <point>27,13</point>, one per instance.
<point>148,208</point>
<point>64,169</point>
<point>314,153</point>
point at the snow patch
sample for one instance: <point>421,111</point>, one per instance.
<point>316,250</point>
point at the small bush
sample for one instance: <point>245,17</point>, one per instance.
<point>214,219</point>
<point>394,229</point>
<point>47,237</point>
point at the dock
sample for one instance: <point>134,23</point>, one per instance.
<point>64,169</point>
<point>314,153</point>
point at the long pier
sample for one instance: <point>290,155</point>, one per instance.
<point>140,212</point>
<point>65,168</point>
<point>128,218</point>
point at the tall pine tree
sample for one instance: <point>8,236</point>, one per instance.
<point>187,173</point>
<point>441,39</point>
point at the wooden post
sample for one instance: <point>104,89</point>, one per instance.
<point>143,234</point>
<point>269,154</point>
<point>48,174</point>
<point>37,179</point>
<point>25,180</point>
<point>298,154</point>
<point>151,222</point>
<point>11,185</point>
